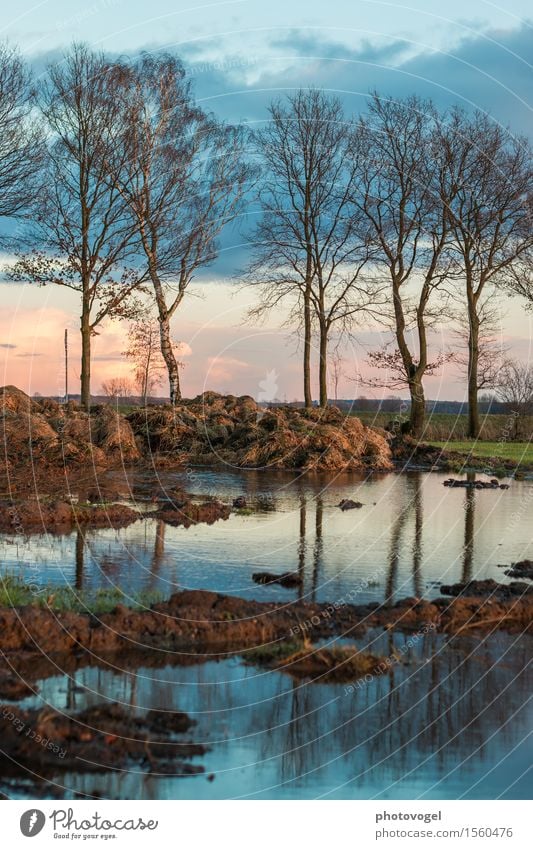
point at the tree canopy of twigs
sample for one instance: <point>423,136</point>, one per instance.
<point>21,138</point>
<point>308,253</point>
<point>399,202</point>
<point>183,176</point>
<point>82,234</point>
<point>488,192</point>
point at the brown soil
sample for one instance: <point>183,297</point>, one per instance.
<point>200,621</point>
<point>102,737</point>
<point>288,580</point>
<point>521,569</point>
<point>331,665</point>
<point>44,436</point>
<point>488,588</point>
<point>37,516</point>
<point>192,514</point>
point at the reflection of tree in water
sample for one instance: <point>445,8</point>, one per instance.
<point>468,547</point>
<point>414,506</point>
<point>80,559</point>
<point>318,546</point>
<point>159,552</point>
<point>443,710</point>
<point>302,544</point>
<point>415,725</point>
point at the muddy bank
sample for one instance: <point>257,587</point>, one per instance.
<point>201,621</point>
<point>36,516</point>
<point>408,453</point>
<point>521,569</point>
<point>194,514</point>
<point>328,665</point>
<point>102,737</point>
<point>489,589</point>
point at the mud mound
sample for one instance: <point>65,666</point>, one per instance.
<point>224,428</point>
<point>13,400</point>
<point>113,434</point>
<point>329,665</point>
<point>45,434</point>
<point>288,580</point>
<point>208,429</point>
<point>489,587</point>
<point>102,737</point>
<point>521,569</point>
<point>34,516</point>
<point>200,621</point>
<point>192,514</point>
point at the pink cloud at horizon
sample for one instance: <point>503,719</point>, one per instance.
<point>220,352</point>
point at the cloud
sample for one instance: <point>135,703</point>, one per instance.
<point>7,346</point>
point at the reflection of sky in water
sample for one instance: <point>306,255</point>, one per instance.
<point>451,720</point>
<point>411,532</point>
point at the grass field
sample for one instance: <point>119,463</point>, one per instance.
<point>448,426</point>
<point>520,453</point>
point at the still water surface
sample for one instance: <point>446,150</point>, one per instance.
<point>452,720</point>
<point>411,534</point>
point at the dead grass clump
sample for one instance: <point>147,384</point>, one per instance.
<point>115,436</point>
<point>337,664</point>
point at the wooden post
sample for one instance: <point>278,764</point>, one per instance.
<point>66,366</point>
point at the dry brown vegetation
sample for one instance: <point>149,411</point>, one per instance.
<point>209,429</point>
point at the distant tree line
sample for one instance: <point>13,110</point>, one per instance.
<point>406,216</point>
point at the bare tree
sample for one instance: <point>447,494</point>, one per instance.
<point>118,387</point>
<point>515,389</point>
<point>20,136</point>
<point>492,356</point>
<point>336,372</point>
<point>82,226</point>
<point>307,249</point>
<point>399,200</point>
<point>183,177</point>
<point>392,363</point>
<point>489,196</point>
<point>144,350</point>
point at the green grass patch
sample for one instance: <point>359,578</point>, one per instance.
<point>520,453</point>
<point>273,652</point>
<point>15,592</point>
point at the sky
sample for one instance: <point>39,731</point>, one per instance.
<point>241,54</point>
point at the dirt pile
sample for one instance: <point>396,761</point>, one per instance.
<point>223,428</point>
<point>201,621</point>
<point>336,664</point>
<point>521,569</point>
<point>48,434</point>
<point>191,513</point>
<point>39,515</point>
<point>102,737</point>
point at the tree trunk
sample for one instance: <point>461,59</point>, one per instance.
<point>418,409</point>
<point>170,360</point>
<point>323,366</point>
<point>308,398</point>
<point>167,350</point>
<point>85,361</point>
<point>473,363</point>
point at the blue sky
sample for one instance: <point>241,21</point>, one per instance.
<point>241,53</point>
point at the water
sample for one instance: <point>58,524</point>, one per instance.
<point>411,534</point>
<point>450,721</point>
